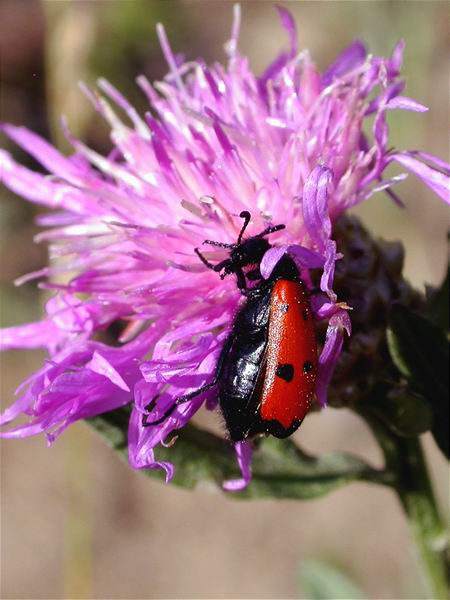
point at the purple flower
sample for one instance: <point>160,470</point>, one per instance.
<point>290,146</point>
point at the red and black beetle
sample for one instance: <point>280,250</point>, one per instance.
<point>266,372</point>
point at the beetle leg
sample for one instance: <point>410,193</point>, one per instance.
<point>178,401</point>
<point>241,282</point>
<point>191,395</point>
<point>203,259</point>
<point>206,262</point>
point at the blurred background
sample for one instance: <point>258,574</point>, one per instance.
<point>76,522</point>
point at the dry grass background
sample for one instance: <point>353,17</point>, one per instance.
<point>77,523</point>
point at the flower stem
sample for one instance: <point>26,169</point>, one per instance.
<point>405,458</point>
<point>418,500</point>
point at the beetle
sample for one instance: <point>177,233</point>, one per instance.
<point>266,372</point>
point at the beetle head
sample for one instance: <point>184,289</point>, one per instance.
<point>242,253</point>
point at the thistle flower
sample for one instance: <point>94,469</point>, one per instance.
<point>290,146</point>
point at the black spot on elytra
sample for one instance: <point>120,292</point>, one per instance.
<point>307,366</point>
<point>284,307</point>
<point>285,371</point>
<point>305,314</point>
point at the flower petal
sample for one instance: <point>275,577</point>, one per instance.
<point>315,205</point>
<point>99,364</point>
<point>331,351</point>
<point>141,455</point>
<point>244,453</point>
<point>436,180</point>
<point>303,258</point>
<point>41,334</point>
<point>405,103</point>
<point>45,153</point>
<point>270,260</point>
<point>326,281</point>
<point>349,58</point>
<point>288,22</point>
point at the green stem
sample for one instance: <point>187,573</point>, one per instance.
<point>430,533</point>
<point>404,457</point>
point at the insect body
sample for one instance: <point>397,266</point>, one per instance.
<point>266,372</point>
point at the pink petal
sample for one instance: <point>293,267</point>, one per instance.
<point>31,335</point>
<point>405,103</point>
<point>437,181</point>
<point>349,58</point>
<point>331,351</point>
<point>99,364</point>
<point>244,453</point>
<point>315,204</point>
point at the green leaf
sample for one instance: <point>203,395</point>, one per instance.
<point>419,350</point>
<point>320,581</point>
<point>405,412</point>
<point>438,304</point>
<point>280,469</point>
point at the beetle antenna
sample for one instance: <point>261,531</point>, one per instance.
<point>246,216</point>
<point>219,244</point>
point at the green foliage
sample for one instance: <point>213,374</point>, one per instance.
<point>438,304</point>
<point>404,411</point>
<point>419,350</point>
<point>320,581</point>
<point>280,469</point>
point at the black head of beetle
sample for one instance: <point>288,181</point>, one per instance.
<point>242,254</point>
